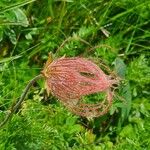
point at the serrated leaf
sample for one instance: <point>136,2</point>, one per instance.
<point>84,31</point>
<point>90,136</point>
<point>126,95</point>
<point>128,131</point>
<point>125,90</point>
<point>12,36</point>
<point>21,17</point>
<point>120,67</point>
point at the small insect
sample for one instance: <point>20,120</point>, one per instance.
<point>70,79</point>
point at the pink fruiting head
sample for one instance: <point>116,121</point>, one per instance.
<point>69,79</point>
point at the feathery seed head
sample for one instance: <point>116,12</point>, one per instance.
<point>69,79</point>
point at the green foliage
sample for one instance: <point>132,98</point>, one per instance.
<point>116,32</point>
<point>139,71</point>
<point>43,130</point>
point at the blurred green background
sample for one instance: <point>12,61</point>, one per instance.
<point>30,29</point>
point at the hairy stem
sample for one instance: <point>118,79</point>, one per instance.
<point>21,99</point>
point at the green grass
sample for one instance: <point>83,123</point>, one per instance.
<point>30,29</point>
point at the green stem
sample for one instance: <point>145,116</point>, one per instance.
<point>22,97</point>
